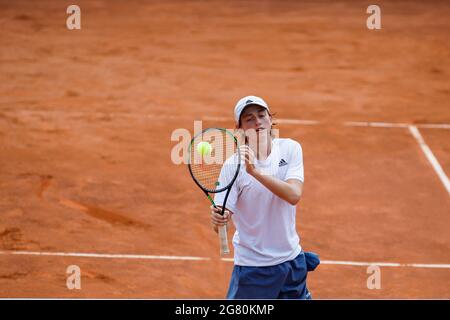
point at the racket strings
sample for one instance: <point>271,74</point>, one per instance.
<point>214,171</point>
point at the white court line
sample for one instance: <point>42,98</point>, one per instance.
<point>430,156</point>
<point>386,264</point>
<point>434,126</point>
<point>224,119</point>
<point>102,255</point>
<point>345,123</point>
<point>375,124</point>
<point>154,257</point>
<point>355,263</point>
<point>395,125</point>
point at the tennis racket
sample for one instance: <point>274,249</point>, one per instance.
<point>216,170</point>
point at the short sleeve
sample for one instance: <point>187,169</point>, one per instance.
<point>295,164</point>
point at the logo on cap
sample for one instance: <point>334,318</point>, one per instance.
<point>248,101</point>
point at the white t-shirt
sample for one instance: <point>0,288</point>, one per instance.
<point>265,224</point>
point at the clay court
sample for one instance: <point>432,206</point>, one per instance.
<point>86,118</point>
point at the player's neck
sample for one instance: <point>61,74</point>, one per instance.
<point>264,149</point>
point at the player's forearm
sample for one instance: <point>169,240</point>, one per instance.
<point>282,189</point>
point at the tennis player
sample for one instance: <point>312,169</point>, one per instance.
<point>269,262</point>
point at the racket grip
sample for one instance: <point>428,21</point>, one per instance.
<point>223,237</point>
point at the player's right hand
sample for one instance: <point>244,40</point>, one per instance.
<point>217,219</point>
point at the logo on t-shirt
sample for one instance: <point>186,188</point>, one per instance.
<point>282,163</point>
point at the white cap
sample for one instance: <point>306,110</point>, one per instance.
<point>246,101</point>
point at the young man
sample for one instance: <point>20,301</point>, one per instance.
<point>269,261</point>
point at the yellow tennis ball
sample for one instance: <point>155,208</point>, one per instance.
<point>204,148</point>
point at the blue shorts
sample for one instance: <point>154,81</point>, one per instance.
<point>283,281</point>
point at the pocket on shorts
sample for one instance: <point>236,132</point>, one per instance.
<point>312,261</point>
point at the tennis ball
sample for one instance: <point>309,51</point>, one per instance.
<point>204,148</point>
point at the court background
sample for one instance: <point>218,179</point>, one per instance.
<point>86,118</point>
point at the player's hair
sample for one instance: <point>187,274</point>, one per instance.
<point>274,123</point>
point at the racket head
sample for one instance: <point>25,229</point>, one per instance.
<point>216,171</point>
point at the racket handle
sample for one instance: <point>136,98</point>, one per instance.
<point>224,249</point>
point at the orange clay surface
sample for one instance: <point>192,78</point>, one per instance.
<point>86,118</point>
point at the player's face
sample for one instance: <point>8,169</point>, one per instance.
<point>257,118</point>
<point>256,122</point>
